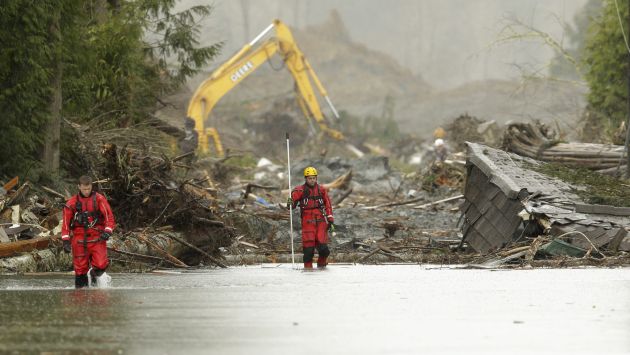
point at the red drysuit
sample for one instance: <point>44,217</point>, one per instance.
<point>316,213</point>
<point>95,212</point>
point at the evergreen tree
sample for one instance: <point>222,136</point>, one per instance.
<point>25,62</point>
<point>108,61</point>
<point>607,58</point>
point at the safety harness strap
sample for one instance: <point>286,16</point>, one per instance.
<point>306,198</point>
<point>81,217</point>
<point>318,198</point>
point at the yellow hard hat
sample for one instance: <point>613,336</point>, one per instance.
<point>439,133</point>
<point>310,171</point>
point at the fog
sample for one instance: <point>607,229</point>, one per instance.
<point>434,59</point>
<point>447,42</point>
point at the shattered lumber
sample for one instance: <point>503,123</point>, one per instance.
<point>400,203</point>
<point>166,254</point>
<point>58,194</point>
<point>140,256</point>
<point>391,204</point>
<point>11,184</point>
<point>384,250</point>
<point>21,246</point>
<point>454,198</point>
<point>537,141</point>
<point>340,183</point>
<point>210,257</point>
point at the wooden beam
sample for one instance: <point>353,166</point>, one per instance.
<point>21,246</point>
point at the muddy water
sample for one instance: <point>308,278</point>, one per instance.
<point>347,309</point>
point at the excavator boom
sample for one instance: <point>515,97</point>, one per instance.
<point>242,64</point>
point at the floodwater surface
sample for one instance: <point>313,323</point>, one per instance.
<point>345,309</point>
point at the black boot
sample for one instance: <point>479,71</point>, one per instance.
<point>80,281</point>
<point>92,277</point>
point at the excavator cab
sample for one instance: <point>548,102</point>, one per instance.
<point>249,58</point>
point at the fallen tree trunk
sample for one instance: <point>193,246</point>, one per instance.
<point>210,257</point>
<point>537,141</point>
<point>21,246</point>
<point>37,261</point>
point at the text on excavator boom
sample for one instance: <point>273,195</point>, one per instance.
<point>245,62</point>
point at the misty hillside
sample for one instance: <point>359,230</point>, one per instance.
<point>359,79</point>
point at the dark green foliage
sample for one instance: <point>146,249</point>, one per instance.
<point>599,189</point>
<point>118,58</point>
<point>607,59</point>
<point>131,56</point>
<point>24,74</point>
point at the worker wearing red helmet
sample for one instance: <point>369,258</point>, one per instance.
<point>317,218</point>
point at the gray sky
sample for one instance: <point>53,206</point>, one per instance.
<point>447,42</point>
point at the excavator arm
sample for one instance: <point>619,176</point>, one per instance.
<point>245,62</point>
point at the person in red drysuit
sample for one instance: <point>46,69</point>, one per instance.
<point>317,218</point>
<point>88,222</point>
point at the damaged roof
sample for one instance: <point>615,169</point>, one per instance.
<point>552,202</point>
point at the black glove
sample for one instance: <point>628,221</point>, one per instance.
<point>67,246</point>
<point>105,236</point>
<point>331,227</point>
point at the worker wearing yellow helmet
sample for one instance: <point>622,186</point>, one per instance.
<point>317,218</point>
<point>439,133</point>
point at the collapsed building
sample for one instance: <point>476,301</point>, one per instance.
<point>506,201</point>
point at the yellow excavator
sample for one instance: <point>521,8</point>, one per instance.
<point>246,61</point>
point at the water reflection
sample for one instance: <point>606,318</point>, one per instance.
<point>67,320</point>
<point>87,304</point>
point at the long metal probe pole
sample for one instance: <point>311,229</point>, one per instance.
<point>291,204</point>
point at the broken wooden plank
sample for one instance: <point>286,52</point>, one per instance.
<point>15,229</point>
<point>209,222</point>
<point>248,244</point>
<point>19,194</point>
<point>500,261</point>
<point>454,198</point>
<point>11,184</point>
<point>21,246</point>
<point>58,194</point>
<point>166,254</point>
<point>339,183</point>
<point>392,204</point>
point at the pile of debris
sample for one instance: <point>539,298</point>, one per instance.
<point>381,216</point>
<point>509,205</point>
<point>182,211</point>
<point>537,140</point>
<point>163,217</point>
<point>28,221</point>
